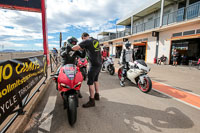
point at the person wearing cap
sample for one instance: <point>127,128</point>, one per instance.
<point>127,55</point>
<point>93,51</point>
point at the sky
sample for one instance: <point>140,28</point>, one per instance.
<point>20,30</point>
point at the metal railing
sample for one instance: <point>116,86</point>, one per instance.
<point>182,14</point>
<point>107,38</point>
<point>54,62</point>
<point>123,33</point>
<point>119,34</point>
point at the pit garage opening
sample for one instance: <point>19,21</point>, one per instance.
<point>188,50</point>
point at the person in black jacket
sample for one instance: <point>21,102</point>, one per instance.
<point>69,56</point>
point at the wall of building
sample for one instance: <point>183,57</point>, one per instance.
<point>151,49</point>
<point>165,36</point>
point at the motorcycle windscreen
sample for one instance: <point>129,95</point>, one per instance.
<point>141,62</point>
<point>82,60</point>
<point>70,71</point>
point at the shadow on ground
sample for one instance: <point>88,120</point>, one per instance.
<point>112,117</point>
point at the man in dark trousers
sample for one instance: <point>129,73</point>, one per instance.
<point>93,50</point>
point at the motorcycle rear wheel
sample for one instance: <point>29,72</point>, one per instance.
<point>146,86</point>
<point>112,70</point>
<point>72,109</point>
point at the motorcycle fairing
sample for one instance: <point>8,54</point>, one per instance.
<point>71,76</point>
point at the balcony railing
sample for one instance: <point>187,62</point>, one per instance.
<point>107,38</point>
<point>126,32</point>
<point>182,14</point>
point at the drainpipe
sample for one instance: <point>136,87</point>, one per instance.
<point>157,45</point>
<point>161,12</point>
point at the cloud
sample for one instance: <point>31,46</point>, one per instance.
<point>86,13</point>
<point>38,44</point>
<point>8,44</point>
<point>93,16</point>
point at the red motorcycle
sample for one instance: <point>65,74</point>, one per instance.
<point>82,64</point>
<point>69,83</point>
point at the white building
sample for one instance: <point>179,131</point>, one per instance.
<point>176,21</point>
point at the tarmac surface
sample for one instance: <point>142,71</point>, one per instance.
<point>126,109</point>
<point>15,55</point>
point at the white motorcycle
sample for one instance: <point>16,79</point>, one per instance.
<point>137,74</point>
<point>108,65</point>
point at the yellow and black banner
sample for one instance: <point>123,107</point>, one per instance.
<point>17,78</point>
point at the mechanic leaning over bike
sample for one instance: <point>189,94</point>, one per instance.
<point>93,50</point>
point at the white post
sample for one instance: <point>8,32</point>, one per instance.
<point>187,3</point>
<point>131,25</point>
<point>161,12</point>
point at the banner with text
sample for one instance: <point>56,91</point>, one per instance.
<point>17,78</point>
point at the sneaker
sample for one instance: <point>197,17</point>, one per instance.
<point>96,96</point>
<point>122,83</point>
<point>90,103</point>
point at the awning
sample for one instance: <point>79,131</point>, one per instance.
<point>185,37</point>
<point>140,43</point>
<point>118,45</point>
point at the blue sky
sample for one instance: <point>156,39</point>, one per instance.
<point>21,30</point>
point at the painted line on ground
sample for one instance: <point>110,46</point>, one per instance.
<point>47,115</point>
<point>177,88</point>
<point>177,99</point>
<point>185,97</point>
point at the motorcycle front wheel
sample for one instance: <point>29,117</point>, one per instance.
<point>84,73</point>
<point>72,109</point>
<point>120,73</point>
<point>146,86</point>
<point>111,70</point>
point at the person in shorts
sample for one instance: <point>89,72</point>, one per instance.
<point>93,51</point>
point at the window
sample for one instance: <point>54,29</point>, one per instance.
<point>198,31</point>
<point>177,34</point>
<point>189,32</point>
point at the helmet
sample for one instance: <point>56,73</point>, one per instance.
<point>127,45</point>
<point>71,41</point>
